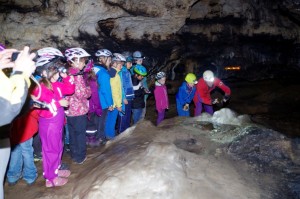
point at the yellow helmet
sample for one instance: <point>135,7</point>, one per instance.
<point>191,78</point>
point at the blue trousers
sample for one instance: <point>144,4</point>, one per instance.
<point>110,126</point>
<point>21,163</point>
<point>124,120</point>
<point>137,115</point>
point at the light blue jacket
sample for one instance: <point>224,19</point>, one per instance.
<point>126,83</point>
<point>104,89</point>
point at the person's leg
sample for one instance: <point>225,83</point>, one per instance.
<point>4,157</point>
<point>72,134</point>
<point>136,115</point>
<point>128,111</point>
<point>52,145</point>
<point>29,169</point>
<point>37,146</point>
<point>77,129</point>
<point>15,165</point>
<point>198,109</point>
<point>80,137</point>
<point>160,117</point>
<point>91,129</point>
<point>209,109</point>
<point>144,110</point>
<point>66,136</point>
<point>111,123</point>
<point>102,122</point>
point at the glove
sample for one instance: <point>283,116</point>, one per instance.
<point>226,98</point>
<point>215,101</point>
<point>186,107</point>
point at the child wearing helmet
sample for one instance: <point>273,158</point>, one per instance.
<point>116,88</point>
<point>202,96</point>
<point>161,96</point>
<point>138,60</point>
<point>51,117</point>
<point>104,57</point>
<point>95,109</point>
<point>78,104</point>
<point>185,95</point>
<point>138,103</point>
<point>128,95</point>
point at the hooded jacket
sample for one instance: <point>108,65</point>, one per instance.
<point>185,94</point>
<point>126,83</point>
<point>104,89</point>
<point>52,97</point>
<point>116,89</point>
<point>78,102</point>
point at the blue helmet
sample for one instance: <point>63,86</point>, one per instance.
<point>129,59</point>
<point>141,70</point>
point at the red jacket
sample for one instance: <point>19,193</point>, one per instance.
<point>203,91</point>
<point>24,127</point>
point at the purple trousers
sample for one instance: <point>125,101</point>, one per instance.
<point>160,116</point>
<point>51,131</point>
<point>207,108</point>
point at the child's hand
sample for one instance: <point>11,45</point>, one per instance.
<point>111,108</point>
<point>125,101</point>
<point>147,91</point>
<point>64,75</point>
<point>64,103</point>
<point>186,107</point>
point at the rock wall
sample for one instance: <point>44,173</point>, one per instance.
<point>261,36</point>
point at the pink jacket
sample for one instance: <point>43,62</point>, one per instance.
<point>52,97</point>
<point>161,97</point>
<point>78,102</point>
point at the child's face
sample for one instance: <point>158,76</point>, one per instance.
<point>55,77</point>
<point>139,61</point>
<point>79,63</point>
<point>140,77</point>
<point>162,81</point>
<point>105,60</point>
<point>128,65</point>
<point>191,84</point>
<point>118,65</point>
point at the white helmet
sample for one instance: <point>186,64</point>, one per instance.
<point>104,53</point>
<point>160,75</point>
<point>118,57</point>
<point>49,51</point>
<point>41,61</point>
<point>137,55</point>
<point>75,52</point>
<point>208,76</point>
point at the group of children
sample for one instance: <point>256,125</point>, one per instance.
<point>91,101</point>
